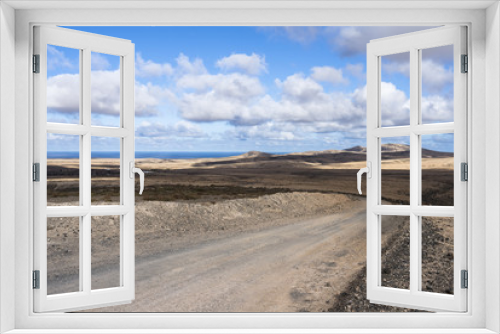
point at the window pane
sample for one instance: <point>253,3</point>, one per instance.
<point>437,84</point>
<point>63,248</point>
<point>105,252</point>
<point>105,170</point>
<point>63,85</point>
<point>437,169</point>
<point>105,90</point>
<point>395,89</point>
<point>395,238</point>
<point>395,170</point>
<point>437,254</point>
<point>63,169</point>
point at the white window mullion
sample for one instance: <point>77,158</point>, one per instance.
<point>414,171</point>
<point>373,183</point>
<point>128,185</point>
<point>85,181</point>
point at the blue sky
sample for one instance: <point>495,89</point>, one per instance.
<point>273,89</point>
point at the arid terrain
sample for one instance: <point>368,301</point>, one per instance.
<point>255,232</point>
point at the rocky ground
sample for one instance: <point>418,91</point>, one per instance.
<point>437,266</point>
<point>164,228</point>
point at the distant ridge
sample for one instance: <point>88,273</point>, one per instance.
<point>255,154</point>
<point>395,147</point>
<point>356,149</point>
<point>385,148</point>
<point>354,154</point>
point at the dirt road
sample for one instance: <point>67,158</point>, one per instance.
<point>297,267</point>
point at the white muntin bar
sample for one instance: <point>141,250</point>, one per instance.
<point>109,210</point>
<point>414,169</point>
<point>86,247</point>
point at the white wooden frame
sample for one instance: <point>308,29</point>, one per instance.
<point>86,43</point>
<point>414,43</point>
<point>484,50</point>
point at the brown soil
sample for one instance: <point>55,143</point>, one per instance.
<point>196,202</point>
<point>437,267</point>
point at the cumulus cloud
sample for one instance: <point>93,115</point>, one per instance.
<point>56,59</point>
<point>251,64</point>
<point>302,35</point>
<point>186,66</point>
<point>180,129</point>
<point>105,92</point>
<point>356,70</point>
<point>148,68</point>
<point>302,100</point>
<point>435,77</point>
<point>99,62</point>
<point>231,86</point>
<point>267,131</point>
<point>328,74</point>
<point>436,108</point>
<point>63,94</point>
<point>351,41</point>
<point>394,104</point>
<point>396,67</point>
<point>218,97</point>
<point>299,88</point>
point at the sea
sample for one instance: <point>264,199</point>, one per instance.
<point>148,154</point>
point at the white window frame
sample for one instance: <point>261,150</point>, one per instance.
<point>85,297</point>
<point>413,43</point>
<point>483,314</point>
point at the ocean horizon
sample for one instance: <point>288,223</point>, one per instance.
<point>149,154</point>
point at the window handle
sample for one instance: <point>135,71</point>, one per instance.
<point>368,171</point>
<point>134,170</point>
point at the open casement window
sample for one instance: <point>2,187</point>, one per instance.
<point>436,112</point>
<point>70,86</point>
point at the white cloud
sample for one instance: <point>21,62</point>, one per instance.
<point>147,98</point>
<point>56,59</point>
<point>395,105</point>
<point>99,62</point>
<point>251,64</point>
<point>302,35</point>
<point>63,94</point>
<point>302,100</point>
<point>148,68</point>
<point>437,108</point>
<point>186,66</point>
<point>396,67</point>
<point>356,70</point>
<point>435,76</point>
<point>218,97</point>
<point>328,74</point>
<point>301,89</point>
<point>231,86</point>
<point>350,41</point>
<point>105,92</point>
<point>180,129</point>
<point>267,131</point>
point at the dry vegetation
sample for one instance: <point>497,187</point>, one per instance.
<point>206,199</point>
